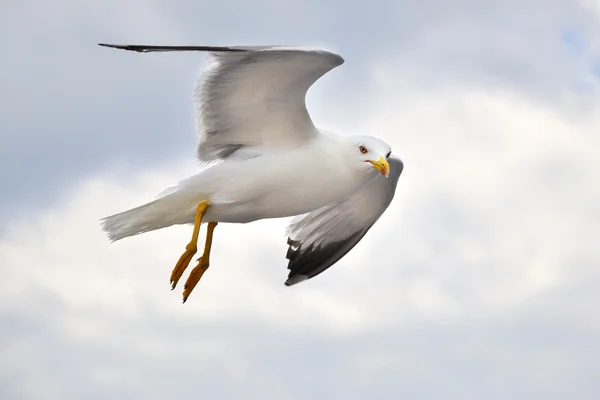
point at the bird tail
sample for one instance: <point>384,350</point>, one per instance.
<point>157,214</point>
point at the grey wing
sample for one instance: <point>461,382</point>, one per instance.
<point>253,97</point>
<point>321,238</point>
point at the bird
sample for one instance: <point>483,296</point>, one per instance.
<point>265,158</point>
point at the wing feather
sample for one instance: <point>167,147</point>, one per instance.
<point>257,99</point>
<point>252,97</point>
<point>321,238</point>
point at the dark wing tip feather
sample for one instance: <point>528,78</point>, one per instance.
<point>311,261</point>
<point>142,48</point>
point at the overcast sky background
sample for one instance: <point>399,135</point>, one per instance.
<point>481,281</point>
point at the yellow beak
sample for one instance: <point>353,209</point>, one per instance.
<point>382,166</point>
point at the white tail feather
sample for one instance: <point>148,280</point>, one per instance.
<point>157,214</point>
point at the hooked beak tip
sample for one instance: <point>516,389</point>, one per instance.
<point>382,166</point>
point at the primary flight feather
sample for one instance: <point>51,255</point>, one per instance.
<point>271,162</point>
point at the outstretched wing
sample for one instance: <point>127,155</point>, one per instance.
<point>321,238</point>
<point>252,97</point>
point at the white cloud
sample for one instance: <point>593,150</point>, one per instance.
<point>592,5</point>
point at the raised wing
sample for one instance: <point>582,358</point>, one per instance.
<point>252,97</point>
<point>321,238</point>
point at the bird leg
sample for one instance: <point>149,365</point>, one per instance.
<point>191,248</point>
<point>202,266</point>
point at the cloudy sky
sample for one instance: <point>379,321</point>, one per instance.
<point>481,281</point>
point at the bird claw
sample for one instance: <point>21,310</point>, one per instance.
<point>181,265</point>
<point>194,277</point>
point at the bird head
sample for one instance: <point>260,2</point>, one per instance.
<point>373,153</point>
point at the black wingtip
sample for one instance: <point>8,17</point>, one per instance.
<point>108,45</point>
<point>143,48</point>
<point>131,47</point>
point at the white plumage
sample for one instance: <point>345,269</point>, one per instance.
<point>271,160</point>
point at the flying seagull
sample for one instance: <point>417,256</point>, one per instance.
<point>268,160</point>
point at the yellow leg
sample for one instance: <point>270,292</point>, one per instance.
<point>202,266</point>
<point>191,248</point>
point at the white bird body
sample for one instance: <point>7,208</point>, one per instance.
<point>278,184</point>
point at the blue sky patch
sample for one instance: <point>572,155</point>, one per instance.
<point>574,41</point>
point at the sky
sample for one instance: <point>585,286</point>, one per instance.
<point>480,281</point>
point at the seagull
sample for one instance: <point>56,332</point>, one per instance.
<point>266,159</point>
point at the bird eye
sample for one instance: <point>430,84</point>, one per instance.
<point>388,155</point>
<point>363,149</point>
